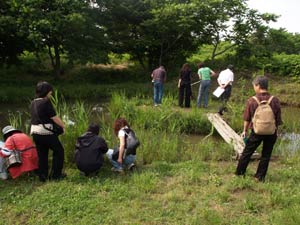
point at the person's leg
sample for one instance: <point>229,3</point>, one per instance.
<point>160,93</point>
<point>199,95</point>
<point>43,151</point>
<point>268,144</point>
<point>114,163</point>
<point>180,97</point>
<point>188,91</point>
<point>58,156</point>
<point>252,143</point>
<point>129,160</point>
<point>206,89</point>
<point>155,91</point>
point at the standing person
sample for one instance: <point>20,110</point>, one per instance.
<point>159,77</point>
<point>225,81</point>
<point>17,140</point>
<point>266,134</point>
<point>205,74</point>
<point>89,150</point>
<point>43,116</point>
<point>184,85</point>
<point>118,156</point>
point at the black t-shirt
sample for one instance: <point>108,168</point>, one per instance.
<point>185,76</point>
<point>42,111</point>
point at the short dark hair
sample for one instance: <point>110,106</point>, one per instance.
<point>230,67</point>
<point>42,89</point>
<point>262,81</point>
<point>94,128</point>
<point>200,65</point>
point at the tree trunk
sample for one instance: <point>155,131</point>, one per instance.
<point>57,61</point>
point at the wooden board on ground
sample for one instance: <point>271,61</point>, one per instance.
<point>228,134</point>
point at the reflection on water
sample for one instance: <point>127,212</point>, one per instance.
<point>292,142</point>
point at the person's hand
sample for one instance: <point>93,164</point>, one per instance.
<point>120,160</point>
<point>244,134</point>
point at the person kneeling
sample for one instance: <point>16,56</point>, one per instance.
<point>89,151</point>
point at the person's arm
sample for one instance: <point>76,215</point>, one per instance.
<point>212,73</point>
<point>121,149</point>
<point>179,82</point>
<point>245,130</point>
<point>58,121</point>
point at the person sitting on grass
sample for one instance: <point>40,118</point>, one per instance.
<point>118,156</point>
<point>89,151</point>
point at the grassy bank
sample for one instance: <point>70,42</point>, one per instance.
<point>190,192</point>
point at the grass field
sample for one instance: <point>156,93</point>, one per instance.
<point>190,192</point>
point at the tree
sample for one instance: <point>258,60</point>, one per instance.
<point>62,27</point>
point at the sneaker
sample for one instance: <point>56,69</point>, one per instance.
<point>132,166</point>
<point>119,170</point>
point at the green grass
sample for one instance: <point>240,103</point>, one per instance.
<point>190,192</point>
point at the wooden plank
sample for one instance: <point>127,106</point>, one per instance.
<point>228,134</point>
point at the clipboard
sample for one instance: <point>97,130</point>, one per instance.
<point>218,92</point>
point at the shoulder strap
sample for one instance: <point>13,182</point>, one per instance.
<point>256,99</point>
<point>270,99</point>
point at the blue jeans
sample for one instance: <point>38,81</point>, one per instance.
<point>203,92</point>
<point>129,159</point>
<point>158,92</point>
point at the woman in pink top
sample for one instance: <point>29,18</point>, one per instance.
<point>17,140</point>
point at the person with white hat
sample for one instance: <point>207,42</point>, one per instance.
<point>19,141</point>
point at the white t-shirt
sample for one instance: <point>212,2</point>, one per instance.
<point>226,76</point>
<point>121,132</point>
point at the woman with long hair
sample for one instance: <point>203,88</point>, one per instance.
<point>184,85</point>
<point>118,156</point>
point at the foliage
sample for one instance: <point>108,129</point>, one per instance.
<point>285,65</point>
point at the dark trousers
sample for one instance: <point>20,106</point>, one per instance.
<point>224,98</point>
<point>253,142</point>
<point>43,144</point>
<point>185,92</point>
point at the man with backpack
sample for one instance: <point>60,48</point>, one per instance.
<point>263,116</point>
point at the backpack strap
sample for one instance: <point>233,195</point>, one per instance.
<point>264,101</point>
<point>256,99</point>
<point>270,99</point>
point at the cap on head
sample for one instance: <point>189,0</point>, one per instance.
<point>8,129</point>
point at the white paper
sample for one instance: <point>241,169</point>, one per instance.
<point>218,92</point>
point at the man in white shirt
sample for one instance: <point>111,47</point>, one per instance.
<point>225,81</point>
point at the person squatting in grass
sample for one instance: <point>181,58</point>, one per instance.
<point>43,115</point>
<point>89,150</point>
<point>118,157</point>
<point>19,141</point>
<point>205,74</point>
<point>260,85</point>
<point>184,85</point>
<point>159,77</point>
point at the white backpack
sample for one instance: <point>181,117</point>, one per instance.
<point>264,118</point>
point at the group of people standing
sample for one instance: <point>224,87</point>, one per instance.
<point>225,80</point>
<point>89,148</point>
<point>262,97</point>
